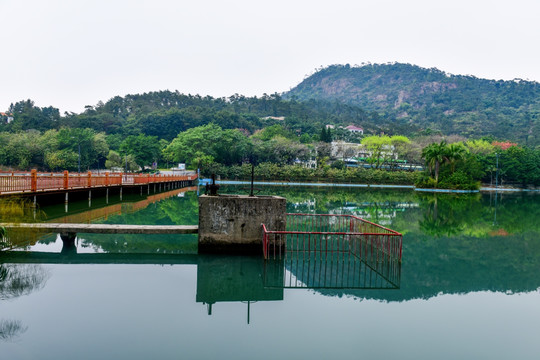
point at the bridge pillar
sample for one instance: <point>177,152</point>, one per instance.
<point>68,237</point>
<point>68,240</point>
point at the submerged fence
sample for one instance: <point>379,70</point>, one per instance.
<point>332,251</point>
<point>35,182</point>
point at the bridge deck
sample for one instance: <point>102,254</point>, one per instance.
<point>107,228</point>
<point>38,183</point>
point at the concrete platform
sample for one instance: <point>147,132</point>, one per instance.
<point>106,228</point>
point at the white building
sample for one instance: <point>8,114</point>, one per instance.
<point>355,129</point>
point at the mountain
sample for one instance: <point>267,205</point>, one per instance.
<point>431,99</point>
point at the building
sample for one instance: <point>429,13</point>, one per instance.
<point>6,117</point>
<point>355,129</point>
<point>278,118</point>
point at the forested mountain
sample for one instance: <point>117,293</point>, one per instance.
<point>432,99</point>
<point>165,113</point>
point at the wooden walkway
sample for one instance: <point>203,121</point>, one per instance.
<point>36,183</point>
<point>105,228</point>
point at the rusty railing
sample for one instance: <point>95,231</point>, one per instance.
<point>325,235</point>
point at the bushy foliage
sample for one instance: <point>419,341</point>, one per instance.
<point>292,173</point>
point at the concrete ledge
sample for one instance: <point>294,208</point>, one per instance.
<point>232,223</point>
<point>106,228</point>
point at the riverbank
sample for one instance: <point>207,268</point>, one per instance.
<point>351,185</point>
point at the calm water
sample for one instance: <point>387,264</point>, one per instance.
<point>469,286</point>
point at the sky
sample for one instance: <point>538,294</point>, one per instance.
<point>72,53</point>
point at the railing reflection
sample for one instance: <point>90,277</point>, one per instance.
<point>331,271</point>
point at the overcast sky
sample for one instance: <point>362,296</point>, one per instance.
<point>72,53</point>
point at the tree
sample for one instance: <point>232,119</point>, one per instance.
<point>273,131</point>
<point>28,116</point>
<point>93,146</point>
<point>326,135</point>
<point>144,149</point>
<point>435,154</point>
<point>114,160</point>
<point>381,148</point>
<point>455,152</point>
<point>61,159</point>
<point>225,146</point>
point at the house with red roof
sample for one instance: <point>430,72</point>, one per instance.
<point>6,117</point>
<point>355,129</point>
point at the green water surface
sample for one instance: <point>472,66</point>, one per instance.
<point>468,287</point>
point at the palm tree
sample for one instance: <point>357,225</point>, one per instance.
<point>455,152</point>
<point>435,154</point>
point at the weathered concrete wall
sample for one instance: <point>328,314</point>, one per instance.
<point>232,223</point>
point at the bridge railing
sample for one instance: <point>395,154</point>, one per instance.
<point>37,182</point>
<point>326,235</point>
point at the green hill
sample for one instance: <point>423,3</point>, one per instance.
<point>432,99</point>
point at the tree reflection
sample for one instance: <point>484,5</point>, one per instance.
<point>18,280</point>
<point>15,210</point>
<point>10,329</point>
<point>21,279</point>
<point>448,214</point>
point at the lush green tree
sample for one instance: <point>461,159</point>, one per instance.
<point>225,146</point>
<point>384,148</point>
<point>145,149</point>
<point>455,152</point>
<point>22,150</point>
<point>59,160</point>
<point>27,116</point>
<point>92,146</point>
<point>116,161</point>
<point>273,131</point>
<point>435,155</point>
<point>326,135</point>
<point>280,150</point>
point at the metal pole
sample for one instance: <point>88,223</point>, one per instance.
<point>497,174</point>
<point>79,157</point>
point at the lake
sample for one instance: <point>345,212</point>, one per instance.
<point>468,286</point>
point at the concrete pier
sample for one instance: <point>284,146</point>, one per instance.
<point>232,223</point>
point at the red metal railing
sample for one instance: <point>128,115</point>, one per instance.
<point>39,182</point>
<point>326,235</point>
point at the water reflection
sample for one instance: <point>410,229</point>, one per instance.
<point>219,278</point>
<point>332,270</point>
<point>232,279</point>
<point>451,242</point>
<point>21,279</point>
<point>17,280</point>
<point>18,210</point>
<point>11,329</point>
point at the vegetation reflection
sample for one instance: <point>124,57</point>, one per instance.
<point>17,280</point>
<point>17,210</point>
